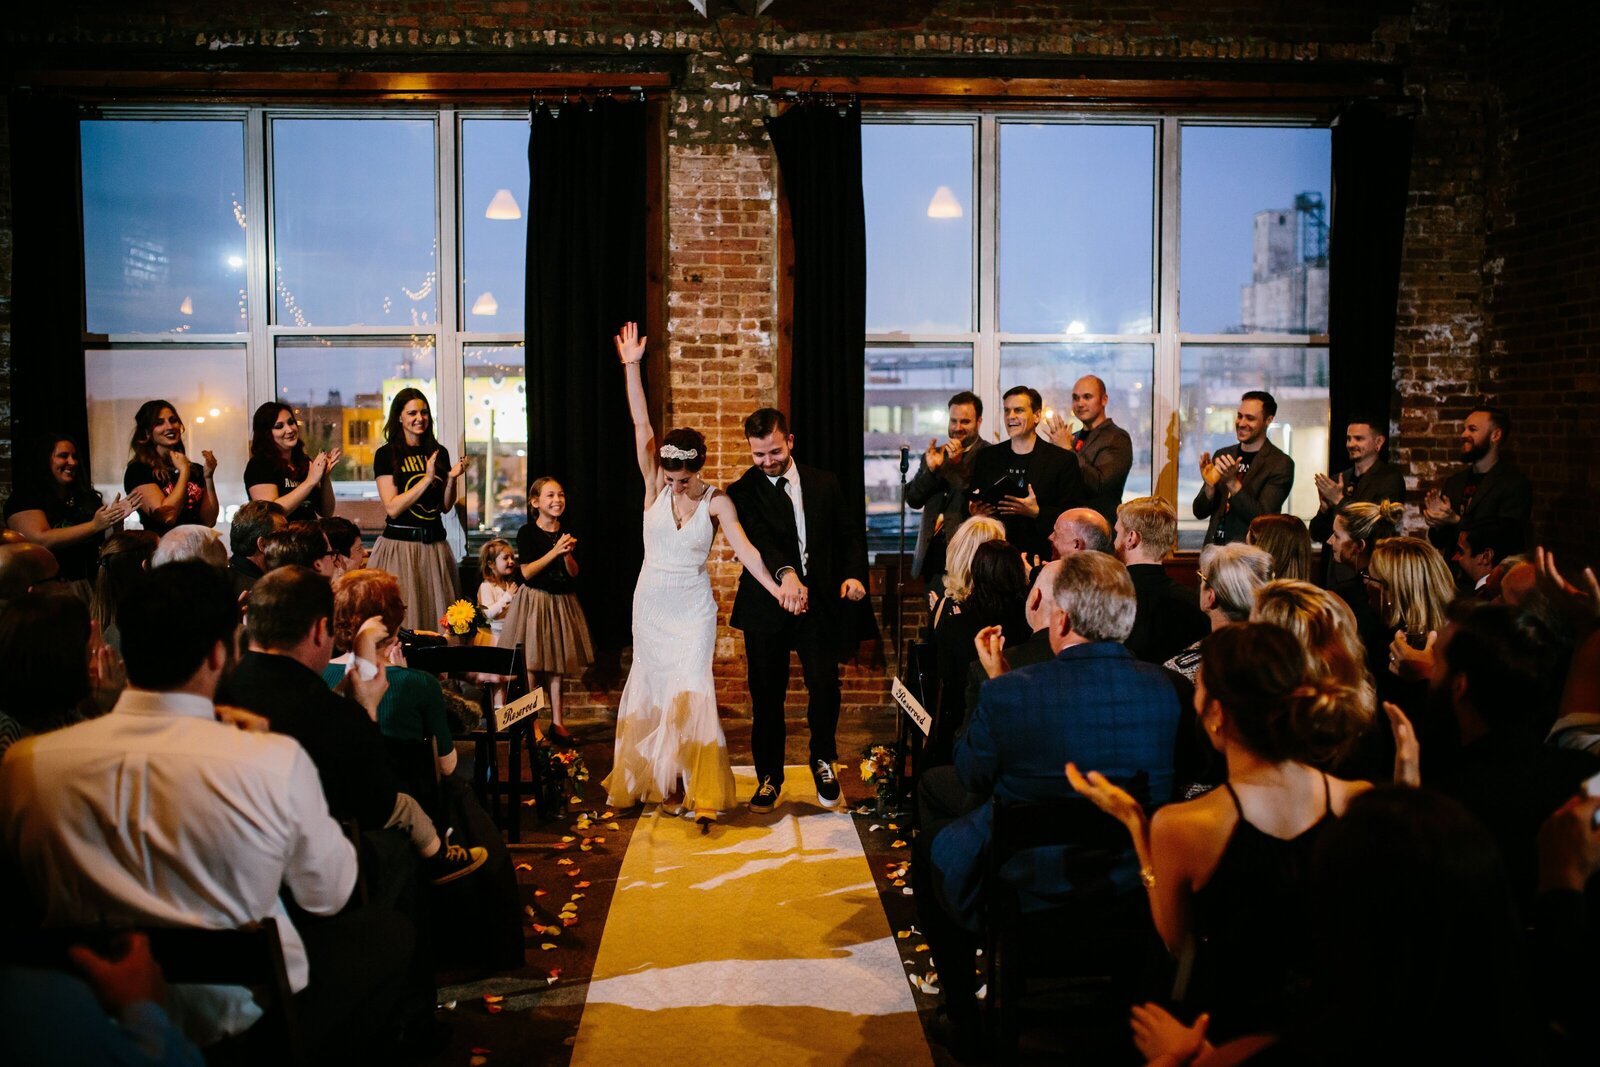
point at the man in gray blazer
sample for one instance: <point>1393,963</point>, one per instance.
<point>1247,479</point>
<point>940,486</point>
<point>1105,451</point>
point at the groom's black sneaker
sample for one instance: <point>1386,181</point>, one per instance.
<point>765,798</point>
<point>827,785</point>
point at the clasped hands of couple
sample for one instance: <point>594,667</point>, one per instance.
<point>796,598</point>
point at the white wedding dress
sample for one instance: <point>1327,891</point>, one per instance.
<point>667,726</point>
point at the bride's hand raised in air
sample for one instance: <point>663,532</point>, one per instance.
<point>630,345</point>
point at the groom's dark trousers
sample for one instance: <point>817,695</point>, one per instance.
<point>835,551</point>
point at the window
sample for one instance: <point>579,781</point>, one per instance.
<point>1181,261</point>
<point>325,259</point>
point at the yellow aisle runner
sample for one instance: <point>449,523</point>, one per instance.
<point>762,942</point>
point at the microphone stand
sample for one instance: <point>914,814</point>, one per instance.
<point>901,733</point>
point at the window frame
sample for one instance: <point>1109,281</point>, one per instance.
<point>1166,339</point>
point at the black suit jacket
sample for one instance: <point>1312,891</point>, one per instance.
<point>1056,481</point>
<point>940,492</point>
<point>1504,493</point>
<point>1265,487</point>
<point>1383,481</point>
<point>834,542</point>
<point>336,732</point>
<point>1104,461</point>
<point>1169,618</point>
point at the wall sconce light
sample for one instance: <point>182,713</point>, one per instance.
<point>503,207</point>
<point>944,204</point>
<point>485,304</point>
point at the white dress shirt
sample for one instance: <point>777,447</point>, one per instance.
<point>792,476</point>
<point>158,814</point>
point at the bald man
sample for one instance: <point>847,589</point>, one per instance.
<point>1104,449</point>
<point>23,566</point>
<point>1080,530</point>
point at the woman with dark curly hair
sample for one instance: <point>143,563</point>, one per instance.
<point>166,487</point>
<point>279,468</point>
<point>52,504</point>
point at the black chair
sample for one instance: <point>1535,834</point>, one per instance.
<point>417,766</point>
<point>1101,936</point>
<point>921,676</point>
<point>488,783</point>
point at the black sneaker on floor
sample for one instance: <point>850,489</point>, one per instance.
<point>827,785</point>
<point>765,798</point>
<point>454,861</point>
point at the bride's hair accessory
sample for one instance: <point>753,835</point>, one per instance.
<point>674,452</point>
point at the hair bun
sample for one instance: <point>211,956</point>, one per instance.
<point>1392,512</point>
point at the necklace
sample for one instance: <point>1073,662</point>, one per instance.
<point>678,520</point>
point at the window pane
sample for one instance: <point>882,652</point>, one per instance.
<point>355,222</point>
<point>205,385</point>
<point>494,223</point>
<point>1211,382</point>
<point>341,389</point>
<point>163,226</point>
<point>907,403</point>
<point>1076,218</point>
<point>1126,370</point>
<point>497,438</point>
<point>1254,237</point>
<point>917,184</point>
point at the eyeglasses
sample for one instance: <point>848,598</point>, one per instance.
<point>1203,579</point>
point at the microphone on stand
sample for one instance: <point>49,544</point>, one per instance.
<point>905,458</point>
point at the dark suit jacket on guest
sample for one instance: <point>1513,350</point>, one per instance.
<point>1169,619</point>
<point>1504,493</point>
<point>1056,481</point>
<point>835,544</point>
<point>1104,460</point>
<point>1036,649</point>
<point>940,492</point>
<point>1383,481</point>
<point>1092,704</point>
<point>336,732</point>
<point>1265,487</point>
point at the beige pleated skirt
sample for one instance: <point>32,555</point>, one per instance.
<point>551,629</point>
<point>427,576</point>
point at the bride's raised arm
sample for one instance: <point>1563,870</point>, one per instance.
<point>630,349</point>
<point>722,510</point>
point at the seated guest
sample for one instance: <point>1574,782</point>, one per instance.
<point>300,544</point>
<point>1243,480</point>
<point>1491,670</point>
<point>159,814</point>
<point>1577,722</point>
<point>44,658</point>
<point>22,567</point>
<point>1326,629</point>
<point>412,709</point>
<point>290,621</point>
<point>998,654</point>
<point>998,589</point>
<point>1353,531</point>
<point>1286,540</point>
<point>344,537</point>
<point>1229,578</point>
<point>1416,951</point>
<point>1230,870</point>
<point>123,560</point>
<point>1080,530</point>
<point>1122,716</point>
<point>53,505</point>
<point>252,525</point>
<point>183,543</point>
<point>1482,544</point>
<point>1169,618</point>
<point>1409,589</point>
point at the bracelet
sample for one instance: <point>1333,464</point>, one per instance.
<point>1147,875</point>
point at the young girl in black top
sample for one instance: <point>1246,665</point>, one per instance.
<point>279,468</point>
<point>544,616</point>
<point>167,489</point>
<point>54,505</point>
<point>417,484</point>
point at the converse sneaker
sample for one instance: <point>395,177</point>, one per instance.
<point>765,798</point>
<point>827,785</point>
<point>454,861</point>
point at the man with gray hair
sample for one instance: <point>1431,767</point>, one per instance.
<point>1092,699</point>
<point>1229,577</point>
<point>191,542</point>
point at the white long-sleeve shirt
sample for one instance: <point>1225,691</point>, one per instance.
<point>157,813</point>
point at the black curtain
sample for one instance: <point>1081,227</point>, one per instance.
<point>1371,172</point>
<point>586,276</point>
<point>47,379</point>
<point>819,154</point>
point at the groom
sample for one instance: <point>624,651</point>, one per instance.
<point>795,516</point>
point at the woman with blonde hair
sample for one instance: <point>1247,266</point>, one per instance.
<point>1359,526</point>
<point>958,559</point>
<point>1409,588</point>
<point>1286,539</point>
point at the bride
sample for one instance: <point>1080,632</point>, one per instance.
<point>668,734</point>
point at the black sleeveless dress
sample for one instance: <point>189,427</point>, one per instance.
<point>1253,928</point>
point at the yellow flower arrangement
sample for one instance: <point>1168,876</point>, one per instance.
<point>460,617</point>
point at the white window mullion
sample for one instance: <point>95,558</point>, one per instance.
<point>986,352</point>
<point>452,400</point>
<point>260,376</point>
<point>1164,449</point>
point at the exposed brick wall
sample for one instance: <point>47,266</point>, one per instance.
<point>720,351</point>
